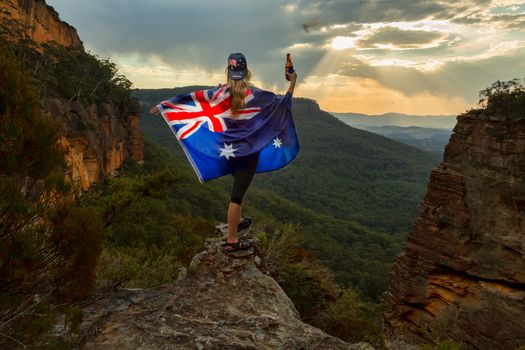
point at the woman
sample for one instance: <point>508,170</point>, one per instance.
<point>262,121</point>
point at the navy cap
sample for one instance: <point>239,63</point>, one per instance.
<point>237,66</point>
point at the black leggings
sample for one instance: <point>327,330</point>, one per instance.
<point>242,179</point>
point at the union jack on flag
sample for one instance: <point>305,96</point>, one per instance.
<point>204,106</point>
<point>212,137</point>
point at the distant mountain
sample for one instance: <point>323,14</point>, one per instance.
<point>351,173</point>
<point>397,119</point>
<point>428,139</point>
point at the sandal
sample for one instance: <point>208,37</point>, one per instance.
<point>245,223</point>
<point>241,244</point>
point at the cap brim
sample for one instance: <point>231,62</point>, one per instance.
<point>236,75</point>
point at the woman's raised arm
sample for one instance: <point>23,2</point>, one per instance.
<point>293,78</point>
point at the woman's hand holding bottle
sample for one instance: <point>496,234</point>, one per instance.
<point>290,73</point>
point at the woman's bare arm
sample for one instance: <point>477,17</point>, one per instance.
<point>293,78</point>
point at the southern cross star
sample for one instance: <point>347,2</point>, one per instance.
<point>277,142</point>
<point>227,151</point>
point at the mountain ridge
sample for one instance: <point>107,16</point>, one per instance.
<point>391,114</point>
<point>398,119</point>
<point>429,139</point>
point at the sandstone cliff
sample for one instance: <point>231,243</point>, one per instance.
<point>226,301</point>
<point>462,275</point>
<point>40,21</point>
<point>96,140</point>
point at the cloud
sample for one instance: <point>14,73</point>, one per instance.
<point>448,48</point>
<point>396,38</point>
<point>455,76</point>
<point>185,35</point>
<point>508,21</point>
<point>358,11</point>
<point>372,11</point>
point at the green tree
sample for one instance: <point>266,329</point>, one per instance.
<point>342,312</point>
<point>50,246</point>
<point>504,99</point>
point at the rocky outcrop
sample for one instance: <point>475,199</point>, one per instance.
<point>305,105</point>
<point>462,275</point>
<point>40,21</point>
<point>224,302</point>
<point>96,140</point>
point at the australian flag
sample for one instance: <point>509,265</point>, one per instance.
<point>214,140</point>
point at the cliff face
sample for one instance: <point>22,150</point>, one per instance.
<point>41,21</point>
<point>462,275</point>
<point>224,302</point>
<point>96,140</point>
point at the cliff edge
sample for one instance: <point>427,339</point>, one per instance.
<point>462,275</point>
<point>40,21</point>
<point>224,301</point>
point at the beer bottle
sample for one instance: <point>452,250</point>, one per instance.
<point>288,66</point>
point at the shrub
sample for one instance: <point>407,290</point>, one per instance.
<point>136,267</point>
<point>352,318</point>
<point>442,345</point>
<point>310,285</point>
<point>504,99</point>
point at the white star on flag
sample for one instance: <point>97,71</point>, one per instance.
<point>277,142</point>
<point>227,151</point>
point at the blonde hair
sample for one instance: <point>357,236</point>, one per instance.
<point>238,91</point>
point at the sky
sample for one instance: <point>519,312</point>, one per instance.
<point>365,56</point>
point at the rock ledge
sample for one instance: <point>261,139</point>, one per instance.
<point>224,302</point>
